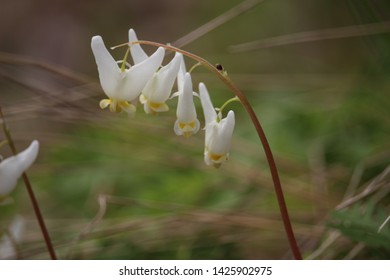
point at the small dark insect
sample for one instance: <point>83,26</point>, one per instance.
<point>219,67</point>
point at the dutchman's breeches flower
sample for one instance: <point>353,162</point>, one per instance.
<point>153,83</point>
<point>14,236</point>
<point>219,131</point>
<point>13,167</point>
<point>218,140</point>
<point>122,85</point>
<point>159,87</point>
<point>187,122</point>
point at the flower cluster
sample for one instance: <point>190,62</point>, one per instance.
<point>13,167</point>
<point>150,83</point>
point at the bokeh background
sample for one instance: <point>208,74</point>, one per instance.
<point>111,187</point>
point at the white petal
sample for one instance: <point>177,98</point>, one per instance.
<point>208,110</point>
<point>159,89</point>
<point>137,76</point>
<point>207,159</point>
<point>220,144</point>
<point>104,103</point>
<point>177,128</point>
<point>109,72</point>
<point>185,108</point>
<point>218,140</point>
<point>170,72</point>
<point>136,50</point>
<point>211,132</point>
<point>13,167</point>
<point>180,75</point>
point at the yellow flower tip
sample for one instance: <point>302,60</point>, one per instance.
<point>114,107</point>
<point>182,125</point>
<point>158,107</point>
<point>187,129</point>
<point>215,157</point>
<point>143,99</point>
<point>154,106</point>
<point>117,106</point>
<point>187,126</point>
<point>151,107</point>
<point>104,103</point>
<point>127,107</point>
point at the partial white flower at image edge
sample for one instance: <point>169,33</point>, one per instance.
<point>12,238</point>
<point>13,167</point>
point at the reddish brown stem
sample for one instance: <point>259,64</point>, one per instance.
<point>274,172</point>
<point>267,149</point>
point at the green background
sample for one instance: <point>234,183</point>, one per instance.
<point>324,106</point>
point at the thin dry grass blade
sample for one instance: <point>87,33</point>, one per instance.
<point>381,181</point>
<point>216,22</point>
<point>317,35</point>
<point>15,59</point>
<point>384,223</point>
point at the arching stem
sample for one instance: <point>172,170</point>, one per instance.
<point>222,75</point>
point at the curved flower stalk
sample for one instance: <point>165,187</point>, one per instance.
<point>122,86</point>
<point>159,87</point>
<point>13,167</point>
<point>219,131</point>
<point>187,122</point>
<point>225,128</point>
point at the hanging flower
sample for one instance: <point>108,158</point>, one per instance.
<point>187,122</point>
<point>219,131</point>
<point>159,87</point>
<point>13,167</point>
<point>122,85</point>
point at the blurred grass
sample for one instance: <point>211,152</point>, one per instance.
<point>324,107</point>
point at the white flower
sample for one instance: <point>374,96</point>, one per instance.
<point>181,75</point>
<point>11,239</point>
<point>159,87</point>
<point>219,131</point>
<point>13,167</point>
<point>187,122</point>
<point>122,85</point>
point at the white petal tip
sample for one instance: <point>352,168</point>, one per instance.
<point>96,39</point>
<point>160,50</point>
<point>13,167</point>
<point>132,35</point>
<point>32,152</point>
